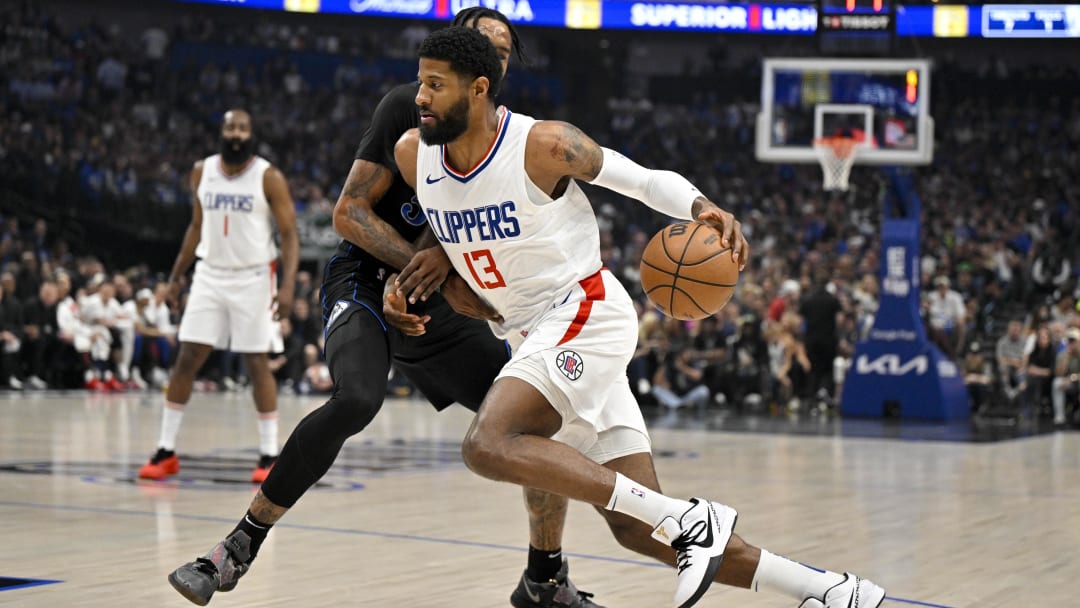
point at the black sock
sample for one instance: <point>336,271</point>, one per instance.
<point>254,528</point>
<point>543,565</point>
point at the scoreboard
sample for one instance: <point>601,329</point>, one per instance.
<point>856,27</point>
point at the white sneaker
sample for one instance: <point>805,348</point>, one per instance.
<point>159,377</point>
<point>137,380</point>
<point>852,592</point>
<point>699,539</point>
<point>37,383</point>
<point>15,384</point>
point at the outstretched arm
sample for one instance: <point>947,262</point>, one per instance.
<point>557,150</point>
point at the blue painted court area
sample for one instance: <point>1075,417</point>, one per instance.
<point>357,532</point>
<point>10,583</point>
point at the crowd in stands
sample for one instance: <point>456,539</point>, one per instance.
<point>91,117</point>
<point>68,322</point>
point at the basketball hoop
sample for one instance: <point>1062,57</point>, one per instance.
<point>837,156</point>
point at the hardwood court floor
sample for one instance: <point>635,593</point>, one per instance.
<point>400,522</point>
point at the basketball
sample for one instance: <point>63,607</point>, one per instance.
<point>686,273</point>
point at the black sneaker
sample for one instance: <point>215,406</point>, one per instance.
<point>218,570</point>
<point>559,592</point>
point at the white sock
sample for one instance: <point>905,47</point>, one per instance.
<point>171,417</point>
<point>637,501</point>
<point>268,434</point>
<point>793,579</point>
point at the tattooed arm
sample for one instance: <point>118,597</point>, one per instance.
<point>355,219</point>
<point>427,270</point>
<point>557,152</point>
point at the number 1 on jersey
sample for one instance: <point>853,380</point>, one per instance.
<point>484,256</point>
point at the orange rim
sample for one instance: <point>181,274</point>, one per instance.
<point>841,146</point>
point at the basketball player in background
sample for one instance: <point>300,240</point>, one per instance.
<point>238,199</point>
<point>500,192</point>
<point>379,220</point>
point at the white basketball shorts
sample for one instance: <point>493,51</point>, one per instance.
<point>232,309</point>
<point>577,357</point>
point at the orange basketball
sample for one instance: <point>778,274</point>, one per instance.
<point>686,273</point>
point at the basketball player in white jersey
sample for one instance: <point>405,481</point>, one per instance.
<point>234,299</point>
<point>379,222</point>
<point>499,191</point>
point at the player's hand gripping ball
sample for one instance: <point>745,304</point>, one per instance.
<point>686,272</point>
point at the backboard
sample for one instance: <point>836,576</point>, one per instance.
<point>883,103</point>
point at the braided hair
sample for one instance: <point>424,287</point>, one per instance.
<point>469,17</point>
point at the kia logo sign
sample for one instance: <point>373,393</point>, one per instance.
<point>891,365</point>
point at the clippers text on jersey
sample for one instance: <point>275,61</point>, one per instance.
<point>488,223</point>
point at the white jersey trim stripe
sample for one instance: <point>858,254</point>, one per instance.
<point>484,162</point>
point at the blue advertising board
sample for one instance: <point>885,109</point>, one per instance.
<point>959,21</point>
<point>527,12</point>
<point>276,5</point>
<point>797,19</point>
<point>1031,20</point>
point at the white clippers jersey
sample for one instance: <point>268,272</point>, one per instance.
<point>237,225</point>
<point>520,250</point>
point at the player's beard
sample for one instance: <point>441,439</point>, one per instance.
<point>236,151</point>
<point>448,127</point>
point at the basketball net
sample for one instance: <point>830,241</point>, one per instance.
<point>837,156</point>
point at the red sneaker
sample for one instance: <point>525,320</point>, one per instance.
<point>95,384</point>
<point>115,385</point>
<point>162,464</point>
<point>263,468</point>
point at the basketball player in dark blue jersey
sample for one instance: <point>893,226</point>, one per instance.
<point>380,222</point>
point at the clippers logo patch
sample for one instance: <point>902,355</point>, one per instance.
<point>570,364</point>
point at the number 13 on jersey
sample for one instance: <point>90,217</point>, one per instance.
<point>481,260</point>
